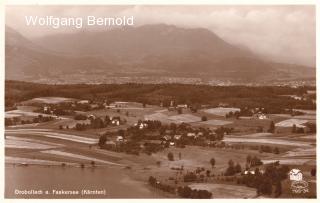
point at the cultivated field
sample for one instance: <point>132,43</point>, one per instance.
<point>226,191</point>
<point>220,111</point>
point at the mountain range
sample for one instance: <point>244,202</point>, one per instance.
<point>147,51</point>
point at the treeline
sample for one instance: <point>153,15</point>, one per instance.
<point>184,192</point>
<point>17,120</point>
<point>237,96</point>
<point>266,183</point>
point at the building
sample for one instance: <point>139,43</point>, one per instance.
<point>83,102</point>
<point>120,139</point>
<point>177,137</point>
<point>184,106</point>
<point>260,116</point>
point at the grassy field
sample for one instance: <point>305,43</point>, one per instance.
<point>49,100</point>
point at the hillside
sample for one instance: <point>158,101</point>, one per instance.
<point>150,50</point>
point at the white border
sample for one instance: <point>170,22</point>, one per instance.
<point>142,2</point>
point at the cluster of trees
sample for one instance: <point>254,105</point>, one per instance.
<point>190,177</point>
<point>253,161</point>
<point>232,114</point>
<point>96,123</point>
<point>272,127</point>
<point>17,120</point>
<point>128,147</point>
<point>170,156</point>
<point>150,148</point>
<point>164,187</point>
<point>311,128</point>
<point>187,192</point>
<point>266,183</point>
<point>232,169</point>
<point>184,192</point>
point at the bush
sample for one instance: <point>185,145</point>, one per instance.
<point>204,118</point>
<point>170,156</point>
<point>80,117</point>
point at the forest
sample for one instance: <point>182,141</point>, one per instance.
<point>272,98</point>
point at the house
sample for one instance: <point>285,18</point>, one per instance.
<point>120,104</point>
<point>191,135</point>
<point>115,122</point>
<point>94,106</point>
<point>166,137</point>
<point>83,102</point>
<point>91,116</point>
<point>141,125</point>
<point>171,103</point>
<point>177,137</point>
<point>260,116</point>
<point>184,106</point>
<point>120,139</point>
<point>247,172</point>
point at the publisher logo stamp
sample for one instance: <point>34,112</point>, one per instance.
<point>298,185</point>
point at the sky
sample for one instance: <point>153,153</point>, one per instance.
<point>280,33</point>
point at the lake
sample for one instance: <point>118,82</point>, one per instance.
<point>109,182</point>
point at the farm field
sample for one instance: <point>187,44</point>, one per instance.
<point>49,100</point>
<point>223,190</point>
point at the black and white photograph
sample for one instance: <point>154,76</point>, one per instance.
<point>160,101</point>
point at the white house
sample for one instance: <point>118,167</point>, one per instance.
<point>296,175</point>
<point>182,106</point>
<point>177,137</point>
<point>119,139</point>
<point>83,102</point>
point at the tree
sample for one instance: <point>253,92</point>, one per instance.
<point>278,189</point>
<point>208,173</point>
<point>237,168</point>
<point>294,128</point>
<point>231,169</point>
<point>102,140</point>
<point>212,162</point>
<point>249,159</point>
<point>276,150</point>
<point>170,156</point>
<point>265,187</point>
<point>272,127</point>
<point>204,118</point>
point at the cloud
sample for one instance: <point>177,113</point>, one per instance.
<point>281,33</point>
